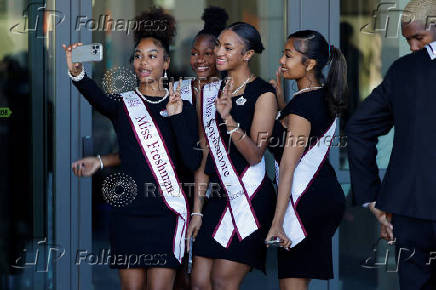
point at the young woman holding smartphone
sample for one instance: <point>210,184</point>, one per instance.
<point>310,201</point>
<point>152,125</point>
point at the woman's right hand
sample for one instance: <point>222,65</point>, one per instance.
<point>74,68</point>
<point>277,84</point>
<point>194,227</point>
<point>86,166</point>
<point>276,230</point>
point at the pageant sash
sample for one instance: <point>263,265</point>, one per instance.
<point>158,159</point>
<point>304,174</point>
<point>239,216</point>
<point>185,90</point>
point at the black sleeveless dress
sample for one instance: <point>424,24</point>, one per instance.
<point>145,227</point>
<point>322,206</point>
<point>251,250</point>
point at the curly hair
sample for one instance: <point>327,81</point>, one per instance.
<point>215,20</point>
<point>157,24</point>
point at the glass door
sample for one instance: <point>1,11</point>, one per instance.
<point>26,142</point>
<point>371,41</point>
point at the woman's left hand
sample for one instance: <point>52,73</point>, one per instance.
<point>224,102</point>
<point>175,103</point>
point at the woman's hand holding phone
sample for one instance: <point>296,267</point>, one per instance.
<point>74,68</point>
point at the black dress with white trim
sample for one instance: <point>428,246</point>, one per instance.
<point>145,228</point>
<point>244,241</point>
<point>322,203</point>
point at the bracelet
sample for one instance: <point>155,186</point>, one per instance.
<point>79,77</point>
<point>234,129</point>
<point>101,161</point>
<point>243,136</point>
<point>197,213</point>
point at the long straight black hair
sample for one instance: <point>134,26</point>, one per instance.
<point>314,46</point>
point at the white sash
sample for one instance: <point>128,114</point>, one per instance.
<point>239,215</point>
<point>186,89</point>
<point>158,159</point>
<point>305,172</point>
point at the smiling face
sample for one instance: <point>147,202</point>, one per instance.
<point>230,51</point>
<point>291,62</point>
<point>417,35</point>
<point>149,61</point>
<point>203,59</point>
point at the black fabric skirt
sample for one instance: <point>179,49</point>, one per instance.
<point>321,210</point>
<point>142,241</point>
<point>251,250</point>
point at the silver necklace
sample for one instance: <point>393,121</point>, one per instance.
<point>167,92</point>
<point>307,89</point>
<point>242,85</point>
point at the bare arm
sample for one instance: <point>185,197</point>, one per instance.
<point>253,147</point>
<point>201,184</point>
<point>201,178</point>
<point>89,165</point>
<point>298,129</point>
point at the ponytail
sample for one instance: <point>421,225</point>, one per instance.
<point>314,46</point>
<point>336,84</point>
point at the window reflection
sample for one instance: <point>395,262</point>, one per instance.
<point>26,141</point>
<point>370,47</point>
<point>370,44</point>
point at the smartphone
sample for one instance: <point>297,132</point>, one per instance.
<point>274,242</point>
<point>87,53</point>
<point>190,256</point>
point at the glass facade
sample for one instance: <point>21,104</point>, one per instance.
<point>370,40</point>
<point>27,143</point>
<point>46,212</point>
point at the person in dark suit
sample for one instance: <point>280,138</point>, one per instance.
<point>405,201</point>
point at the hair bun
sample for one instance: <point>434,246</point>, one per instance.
<point>157,24</point>
<point>249,35</point>
<point>215,19</point>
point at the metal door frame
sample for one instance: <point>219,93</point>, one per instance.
<point>73,121</point>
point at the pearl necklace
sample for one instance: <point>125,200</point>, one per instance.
<point>167,92</point>
<point>307,89</point>
<point>242,85</point>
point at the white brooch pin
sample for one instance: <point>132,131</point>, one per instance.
<point>164,113</point>
<point>241,101</point>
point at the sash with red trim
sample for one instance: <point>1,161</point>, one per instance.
<point>158,159</point>
<point>238,216</point>
<point>185,90</point>
<point>304,174</point>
